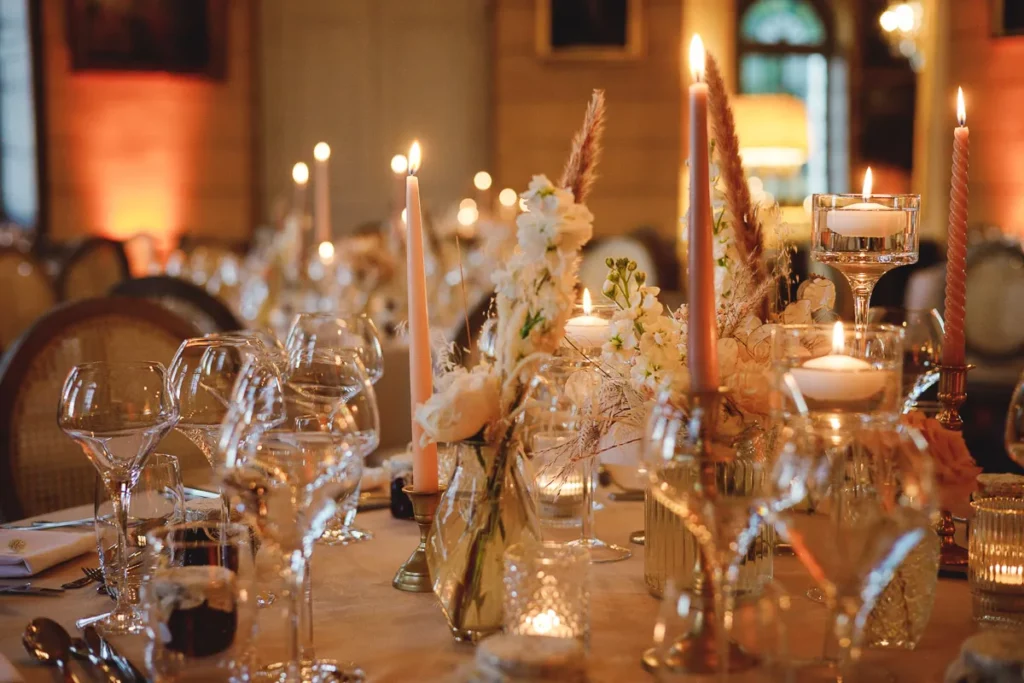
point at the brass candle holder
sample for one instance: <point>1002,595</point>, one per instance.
<point>696,652</point>
<point>414,575</point>
<point>952,394</point>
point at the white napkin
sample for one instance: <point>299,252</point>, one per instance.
<point>24,552</point>
<point>8,674</point>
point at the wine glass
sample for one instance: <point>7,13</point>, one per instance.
<point>874,498</point>
<point>262,342</point>
<point>923,332</point>
<point>559,405</point>
<point>1014,436</point>
<point>118,412</point>
<point>324,331</point>
<point>864,236</point>
<point>291,459</point>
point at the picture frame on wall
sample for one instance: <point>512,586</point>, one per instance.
<point>600,30</point>
<point>1007,18</point>
<point>171,36</point>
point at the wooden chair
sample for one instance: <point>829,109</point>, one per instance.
<point>27,293</point>
<point>91,268</point>
<point>185,299</point>
<point>41,469</point>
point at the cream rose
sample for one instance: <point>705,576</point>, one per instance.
<point>467,405</point>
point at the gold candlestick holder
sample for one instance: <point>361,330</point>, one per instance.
<point>696,652</point>
<point>414,575</point>
<point>952,394</point>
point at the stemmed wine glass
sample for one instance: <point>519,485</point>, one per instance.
<point>1014,436</point>
<point>923,331</point>
<point>316,334</point>
<point>290,459</point>
<point>864,236</point>
<point>118,412</point>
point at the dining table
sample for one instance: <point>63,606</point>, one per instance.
<point>397,636</point>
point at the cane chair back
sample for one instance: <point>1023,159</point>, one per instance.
<point>26,293</point>
<point>92,268</point>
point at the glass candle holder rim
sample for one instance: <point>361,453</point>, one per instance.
<point>158,538</point>
<point>545,553</point>
<point>999,505</point>
<point>598,309</point>
<point>871,198</point>
<point>851,331</point>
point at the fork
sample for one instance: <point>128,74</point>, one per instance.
<point>92,574</point>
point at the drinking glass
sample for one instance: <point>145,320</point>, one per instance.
<point>864,236</point>
<point>199,601</point>
<point>262,342</point>
<point>118,412</point>
<point>314,332</point>
<point>157,499</point>
<point>289,465</point>
<point>923,331</point>
<point>1014,436</point>
<point>559,406</point>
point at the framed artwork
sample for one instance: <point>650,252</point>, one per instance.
<point>1007,18</point>
<point>173,36</point>
<point>603,30</point>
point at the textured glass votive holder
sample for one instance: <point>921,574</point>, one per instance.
<point>547,590</point>
<point>996,561</point>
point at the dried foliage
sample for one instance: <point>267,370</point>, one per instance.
<point>580,170</point>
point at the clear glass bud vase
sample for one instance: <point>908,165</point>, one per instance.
<point>486,508</point>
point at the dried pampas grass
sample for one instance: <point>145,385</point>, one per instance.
<point>580,170</point>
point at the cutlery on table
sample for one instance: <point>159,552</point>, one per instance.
<point>106,651</point>
<point>92,574</point>
<point>85,621</point>
<point>47,641</point>
<point>49,524</point>
<point>80,649</point>
<point>28,589</point>
<point>627,496</point>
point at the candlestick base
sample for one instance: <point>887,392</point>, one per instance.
<point>952,394</point>
<point>414,575</point>
<point>952,557</point>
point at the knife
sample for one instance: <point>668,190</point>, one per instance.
<point>28,589</point>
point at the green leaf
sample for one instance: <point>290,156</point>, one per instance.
<point>532,320</point>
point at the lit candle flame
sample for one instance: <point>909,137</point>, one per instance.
<point>404,213</point>
<point>399,164</point>
<point>588,305</point>
<point>326,251</point>
<point>697,58</point>
<point>467,203</point>
<point>482,181</point>
<point>322,151</point>
<point>508,197</point>
<point>415,157</point>
<point>866,194</point>
<point>961,109</point>
<point>300,173</point>
<point>837,338</point>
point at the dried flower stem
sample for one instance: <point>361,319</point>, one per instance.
<point>579,174</point>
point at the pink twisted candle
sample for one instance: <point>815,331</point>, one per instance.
<point>956,255</point>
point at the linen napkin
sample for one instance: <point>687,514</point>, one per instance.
<point>24,552</point>
<point>8,674</point>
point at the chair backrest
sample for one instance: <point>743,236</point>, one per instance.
<point>94,266</point>
<point>994,326</point>
<point>187,300</point>
<point>28,293</point>
<point>41,469</point>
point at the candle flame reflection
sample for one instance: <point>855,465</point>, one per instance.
<point>867,184</point>
<point>300,173</point>
<point>961,109</point>
<point>837,338</point>
<point>588,305</point>
<point>697,58</point>
<point>414,157</point>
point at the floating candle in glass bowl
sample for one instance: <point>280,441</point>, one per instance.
<point>838,376</point>
<point>866,218</point>
<point>588,330</point>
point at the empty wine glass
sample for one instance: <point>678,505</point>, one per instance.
<point>291,461</point>
<point>118,412</point>
<point>324,331</point>
<point>923,331</point>
<point>1014,437</point>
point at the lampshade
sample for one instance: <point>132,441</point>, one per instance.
<point>772,130</point>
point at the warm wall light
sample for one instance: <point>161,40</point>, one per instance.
<point>772,130</point>
<point>322,151</point>
<point>482,181</point>
<point>399,164</point>
<point>300,173</point>
<point>468,216</point>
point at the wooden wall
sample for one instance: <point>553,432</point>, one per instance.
<point>539,104</point>
<point>151,152</point>
<point>991,71</point>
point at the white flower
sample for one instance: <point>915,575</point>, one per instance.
<point>660,343</point>
<point>819,292</point>
<point>622,340</point>
<point>467,405</point>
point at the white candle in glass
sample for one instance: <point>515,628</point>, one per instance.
<point>838,376</point>
<point>867,218</point>
<point>587,331</point>
<point>547,623</point>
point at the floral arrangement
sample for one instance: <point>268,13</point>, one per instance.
<point>956,472</point>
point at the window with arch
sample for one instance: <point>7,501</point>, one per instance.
<point>788,46</point>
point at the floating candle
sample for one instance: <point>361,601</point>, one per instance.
<point>838,377</point>
<point>867,218</point>
<point>587,331</point>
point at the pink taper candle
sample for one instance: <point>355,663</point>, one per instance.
<point>956,255</point>
<point>321,194</point>
<point>421,376</point>
<point>702,330</point>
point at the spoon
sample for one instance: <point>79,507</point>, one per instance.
<point>47,641</point>
<point>80,649</point>
<point>101,648</point>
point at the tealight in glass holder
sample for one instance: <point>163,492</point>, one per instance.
<point>547,590</point>
<point>864,236</point>
<point>559,494</point>
<point>844,376</point>
<point>996,561</point>
<point>588,328</point>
